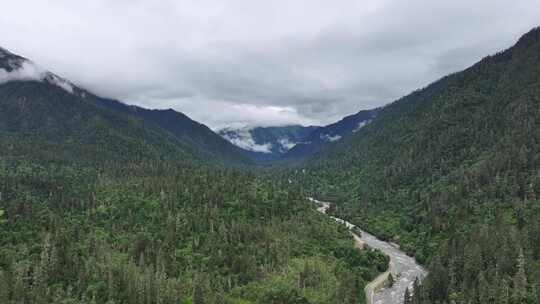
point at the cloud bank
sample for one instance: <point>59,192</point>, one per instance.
<point>261,63</point>
<point>242,138</point>
<point>25,70</point>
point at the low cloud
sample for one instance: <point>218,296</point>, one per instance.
<point>261,63</point>
<point>330,138</point>
<point>243,139</point>
<point>26,71</point>
<point>286,144</point>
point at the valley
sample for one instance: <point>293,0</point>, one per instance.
<point>403,268</point>
<point>432,198</point>
<point>294,143</point>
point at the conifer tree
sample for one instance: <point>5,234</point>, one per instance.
<point>4,288</point>
<point>407,297</point>
<point>519,292</point>
<point>503,294</point>
<point>198,297</point>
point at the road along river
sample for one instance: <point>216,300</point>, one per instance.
<point>404,268</point>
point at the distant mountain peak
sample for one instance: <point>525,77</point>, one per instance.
<point>293,141</point>
<point>266,143</point>
<point>323,136</point>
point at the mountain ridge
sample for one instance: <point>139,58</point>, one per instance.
<point>25,88</point>
<point>294,142</point>
<point>182,127</point>
<point>450,172</point>
<point>321,137</point>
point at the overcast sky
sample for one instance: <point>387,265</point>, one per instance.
<point>260,62</point>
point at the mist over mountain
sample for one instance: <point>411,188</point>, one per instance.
<point>293,142</point>
<point>428,198</point>
<point>266,143</point>
<point>37,105</point>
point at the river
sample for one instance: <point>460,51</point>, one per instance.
<point>404,268</point>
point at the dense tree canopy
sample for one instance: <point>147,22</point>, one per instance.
<point>156,234</point>
<point>451,173</point>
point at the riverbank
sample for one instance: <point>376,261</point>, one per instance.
<point>404,268</point>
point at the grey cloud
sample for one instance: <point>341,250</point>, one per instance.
<point>249,62</point>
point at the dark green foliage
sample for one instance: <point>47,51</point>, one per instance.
<point>39,120</point>
<point>318,139</point>
<point>98,206</point>
<point>103,203</point>
<point>150,233</point>
<point>207,144</point>
<point>71,124</point>
<point>451,173</point>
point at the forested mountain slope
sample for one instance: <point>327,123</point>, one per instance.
<point>294,143</point>
<point>208,144</point>
<point>40,109</point>
<point>159,233</point>
<point>319,138</point>
<point>41,120</point>
<point>111,206</point>
<point>452,173</point>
